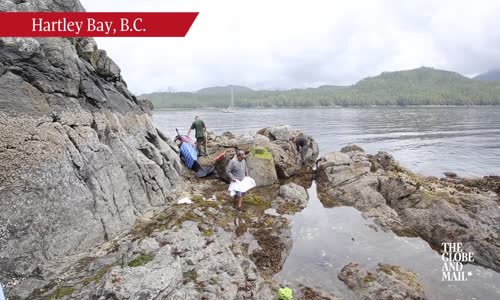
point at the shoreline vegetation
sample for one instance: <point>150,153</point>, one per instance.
<point>419,87</point>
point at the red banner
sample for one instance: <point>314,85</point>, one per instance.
<point>81,24</point>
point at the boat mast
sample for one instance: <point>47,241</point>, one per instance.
<point>232,97</point>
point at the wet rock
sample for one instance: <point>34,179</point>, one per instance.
<point>388,282</point>
<point>275,242</point>
<point>309,293</point>
<point>292,198</point>
<point>450,174</point>
<point>352,148</point>
<point>411,205</point>
<point>487,183</point>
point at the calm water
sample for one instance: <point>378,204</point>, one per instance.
<point>326,239</point>
<point>428,140</point>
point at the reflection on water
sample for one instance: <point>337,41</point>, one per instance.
<point>325,240</point>
<point>428,140</point>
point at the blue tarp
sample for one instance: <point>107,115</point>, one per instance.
<point>189,154</point>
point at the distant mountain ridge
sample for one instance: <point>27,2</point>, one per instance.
<point>422,86</point>
<point>492,75</point>
<point>215,90</point>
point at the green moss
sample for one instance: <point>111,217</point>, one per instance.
<point>256,200</point>
<point>206,203</point>
<point>262,153</point>
<point>141,260</point>
<point>208,232</point>
<point>213,281</point>
<point>98,276</point>
<point>189,216</point>
<point>369,278</point>
<point>408,277</point>
<point>61,292</point>
<point>197,198</point>
<point>190,276</point>
<point>288,208</point>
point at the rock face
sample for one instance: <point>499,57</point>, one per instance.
<point>388,282</point>
<point>79,155</point>
<point>409,204</point>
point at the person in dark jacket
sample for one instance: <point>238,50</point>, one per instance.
<point>200,133</point>
<point>302,144</point>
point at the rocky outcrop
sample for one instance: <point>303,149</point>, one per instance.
<point>388,282</point>
<point>409,204</point>
<point>204,250</point>
<point>291,198</point>
<point>182,264</point>
<point>283,162</point>
<point>79,155</point>
<point>487,183</point>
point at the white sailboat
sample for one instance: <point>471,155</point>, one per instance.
<point>230,109</point>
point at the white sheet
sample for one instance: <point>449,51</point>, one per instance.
<point>241,186</point>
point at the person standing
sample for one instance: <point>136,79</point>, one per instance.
<point>236,170</point>
<point>200,133</point>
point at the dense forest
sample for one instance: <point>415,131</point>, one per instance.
<point>423,86</point>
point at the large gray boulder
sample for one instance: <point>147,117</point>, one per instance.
<point>412,205</point>
<point>291,198</point>
<point>79,154</point>
<point>261,167</point>
<point>387,282</point>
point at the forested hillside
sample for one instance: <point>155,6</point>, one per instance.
<point>423,86</point>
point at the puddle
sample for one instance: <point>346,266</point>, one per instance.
<point>326,239</point>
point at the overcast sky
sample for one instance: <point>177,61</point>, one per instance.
<point>281,44</point>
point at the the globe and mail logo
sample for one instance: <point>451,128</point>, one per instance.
<point>454,258</point>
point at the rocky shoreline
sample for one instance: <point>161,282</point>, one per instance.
<point>208,250</point>
<point>89,191</point>
<point>436,210</point>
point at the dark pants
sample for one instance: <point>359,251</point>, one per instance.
<point>201,141</point>
<point>303,151</point>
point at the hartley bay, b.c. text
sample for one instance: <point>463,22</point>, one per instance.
<point>90,25</point>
